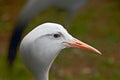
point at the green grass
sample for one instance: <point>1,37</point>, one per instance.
<point>4,26</point>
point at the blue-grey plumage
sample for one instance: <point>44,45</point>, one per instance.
<point>41,46</point>
<point>32,9</point>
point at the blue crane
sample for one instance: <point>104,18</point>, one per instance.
<point>31,9</point>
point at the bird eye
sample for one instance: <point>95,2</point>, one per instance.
<point>56,35</point>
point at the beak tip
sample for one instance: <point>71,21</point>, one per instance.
<point>99,52</point>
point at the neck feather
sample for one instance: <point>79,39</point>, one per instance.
<point>44,73</point>
<point>42,76</point>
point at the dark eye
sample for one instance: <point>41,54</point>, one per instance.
<point>56,35</point>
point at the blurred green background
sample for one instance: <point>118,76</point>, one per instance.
<point>97,23</point>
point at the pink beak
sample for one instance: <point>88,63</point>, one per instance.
<point>80,44</point>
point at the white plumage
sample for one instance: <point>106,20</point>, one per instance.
<point>31,9</point>
<point>40,47</point>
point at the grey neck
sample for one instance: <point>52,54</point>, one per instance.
<point>42,76</point>
<point>44,73</point>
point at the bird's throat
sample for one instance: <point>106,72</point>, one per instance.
<point>44,74</point>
